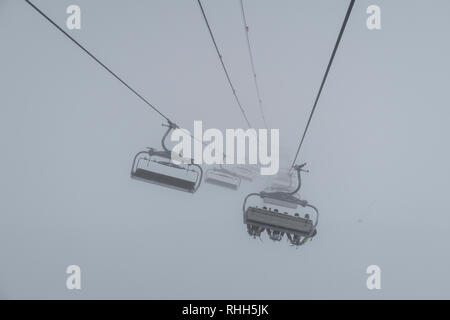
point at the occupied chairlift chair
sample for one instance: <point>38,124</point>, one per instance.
<point>297,229</point>
<point>156,167</point>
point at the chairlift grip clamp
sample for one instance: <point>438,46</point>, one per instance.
<point>170,124</point>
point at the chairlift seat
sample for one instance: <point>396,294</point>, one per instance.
<point>278,221</point>
<point>243,172</point>
<point>222,178</point>
<point>153,167</point>
<point>164,180</point>
<point>281,203</point>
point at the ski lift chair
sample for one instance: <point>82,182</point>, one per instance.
<point>229,177</point>
<point>155,166</point>
<point>245,172</point>
<point>283,182</point>
<point>223,177</point>
<point>298,229</point>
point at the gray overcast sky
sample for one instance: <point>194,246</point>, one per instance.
<point>377,149</point>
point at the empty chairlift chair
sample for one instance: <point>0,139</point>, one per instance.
<point>223,177</point>
<point>229,177</point>
<point>156,166</point>
<point>298,229</point>
<point>283,182</point>
<point>245,172</point>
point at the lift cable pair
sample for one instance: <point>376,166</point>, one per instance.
<point>297,229</point>
<point>225,70</point>
<point>221,175</point>
<point>252,64</point>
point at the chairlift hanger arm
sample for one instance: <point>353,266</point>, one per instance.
<point>170,126</point>
<point>290,195</point>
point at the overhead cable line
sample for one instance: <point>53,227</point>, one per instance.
<point>252,63</point>
<point>99,62</point>
<point>223,65</point>
<point>349,10</point>
<point>171,123</point>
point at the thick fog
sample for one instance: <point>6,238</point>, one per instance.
<point>377,149</point>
